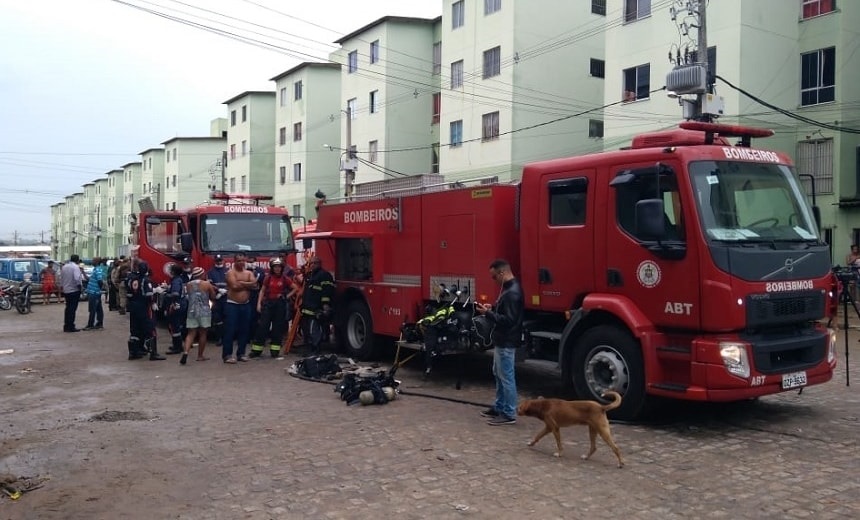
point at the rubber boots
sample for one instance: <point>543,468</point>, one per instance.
<point>153,350</point>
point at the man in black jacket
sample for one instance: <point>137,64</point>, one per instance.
<point>316,305</point>
<point>507,318</point>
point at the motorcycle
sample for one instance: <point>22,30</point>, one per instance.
<point>7,294</point>
<point>24,298</point>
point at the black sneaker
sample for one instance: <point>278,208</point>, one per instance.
<point>183,359</point>
<point>89,327</point>
<point>489,413</point>
<point>501,420</point>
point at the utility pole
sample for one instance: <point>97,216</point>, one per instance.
<point>351,163</point>
<point>15,238</point>
<point>223,171</point>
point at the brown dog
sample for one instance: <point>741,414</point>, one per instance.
<point>558,413</point>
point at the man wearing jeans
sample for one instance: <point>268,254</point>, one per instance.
<point>507,318</point>
<point>72,278</point>
<point>237,310</point>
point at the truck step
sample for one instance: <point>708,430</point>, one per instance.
<point>554,336</point>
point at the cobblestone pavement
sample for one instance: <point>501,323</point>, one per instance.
<point>249,441</point>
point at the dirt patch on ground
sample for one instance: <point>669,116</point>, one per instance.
<point>114,416</point>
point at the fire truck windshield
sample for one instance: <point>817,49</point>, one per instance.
<point>223,233</point>
<point>751,202</point>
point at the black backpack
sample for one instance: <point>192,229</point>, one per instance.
<point>317,367</point>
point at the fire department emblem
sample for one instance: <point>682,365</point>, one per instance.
<point>648,274</point>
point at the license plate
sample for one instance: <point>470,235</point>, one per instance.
<point>793,380</point>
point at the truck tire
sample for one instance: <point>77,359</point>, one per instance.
<point>608,358</point>
<point>358,331</point>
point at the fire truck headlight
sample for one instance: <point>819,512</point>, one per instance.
<point>831,352</point>
<point>735,358</point>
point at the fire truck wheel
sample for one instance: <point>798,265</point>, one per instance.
<point>358,331</point>
<point>608,358</point>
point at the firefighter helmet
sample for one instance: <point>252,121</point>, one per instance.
<point>142,267</point>
<point>276,262</point>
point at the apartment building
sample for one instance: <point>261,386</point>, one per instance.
<point>308,101</point>
<point>189,166</point>
<point>117,223</point>
<point>387,97</point>
<point>57,212</point>
<point>517,80</point>
<point>251,144</point>
<point>797,55</point>
<point>152,175</point>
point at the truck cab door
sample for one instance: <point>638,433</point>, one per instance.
<point>565,260</point>
<point>656,267</point>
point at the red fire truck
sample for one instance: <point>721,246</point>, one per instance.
<point>238,223</point>
<point>683,266</point>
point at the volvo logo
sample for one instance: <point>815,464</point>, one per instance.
<point>789,265</point>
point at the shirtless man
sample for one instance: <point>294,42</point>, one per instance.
<point>237,310</point>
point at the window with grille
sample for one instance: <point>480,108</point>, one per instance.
<point>598,7</point>
<point>297,172</point>
<point>490,126</point>
<point>816,158</point>
<point>437,108</point>
<point>812,8</point>
<point>437,58</point>
<point>458,14</point>
<point>283,174</point>
<point>491,6</point>
<point>818,76</point>
<point>456,138</point>
<point>352,64</point>
<point>434,158</point>
<point>372,102</point>
<point>372,151</point>
<point>637,82</point>
<point>244,183</point>
<point>636,9</point>
<point>598,68</point>
<point>595,128</point>
<point>244,113</point>
<point>297,90</point>
<point>297,131</point>
<point>232,118</point>
<point>282,135</point>
<point>492,62</point>
<point>457,74</point>
<point>374,51</point>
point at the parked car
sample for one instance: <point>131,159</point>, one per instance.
<point>16,268</point>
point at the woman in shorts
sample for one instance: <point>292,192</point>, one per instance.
<point>199,293</point>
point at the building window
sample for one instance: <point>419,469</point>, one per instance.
<point>434,158</point>
<point>232,184</point>
<point>490,126</point>
<point>818,76</point>
<point>174,181</point>
<point>244,113</point>
<point>437,58</point>
<point>351,107</point>
<point>372,102</point>
<point>816,158</point>
<point>457,74</point>
<point>492,62</point>
<point>491,6</point>
<point>373,151</point>
<point>598,68</point>
<point>437,108</point>
<point>174,158</point>
<point>282,135</point>
<point>232,118</point>
<point>283,96</point>
<point>637,82</point>
<point>374,51</point>
<point>456,138</point>
<point>297,132</point>
<point>297,210</point>
<point>811,8</point>
<point>244,148</point>
<point>598,7</point>
<point>167,156</point>
<point>283,173</point>
<point>297,172</point>
<point>173,206</point>
<point>458,14</point>
<point>595,128</point>
<point>244,183</point>
<point>352,63</point>
<point>297,90</point>
<point>636,9</point>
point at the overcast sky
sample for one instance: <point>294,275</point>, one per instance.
<point>86,85</point>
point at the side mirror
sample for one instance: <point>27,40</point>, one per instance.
<point>649,219</point>
<point>153,221</point>
<point>816,213</point>
<point>186,242</point>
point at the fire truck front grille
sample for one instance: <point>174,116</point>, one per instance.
<point>780,308</point>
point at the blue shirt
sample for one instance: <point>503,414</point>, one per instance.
<point>94,286</point>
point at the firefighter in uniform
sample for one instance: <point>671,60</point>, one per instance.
<point>139,291</point>
<point>275,291</point>
<point>316,304</point>
<point>218,277</point>
<point>177,308</point>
